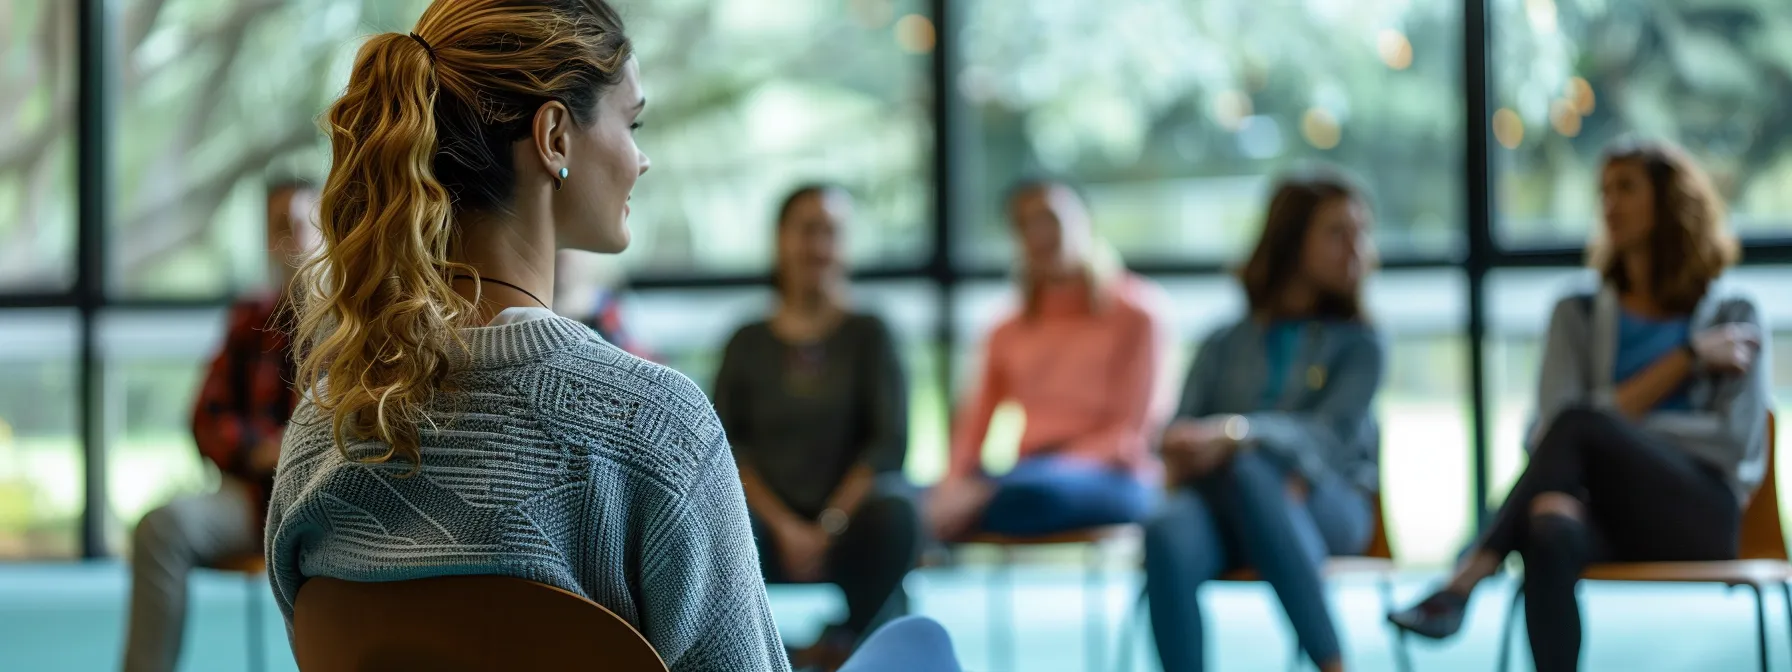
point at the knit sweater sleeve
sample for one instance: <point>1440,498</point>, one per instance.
<point>705,606</point>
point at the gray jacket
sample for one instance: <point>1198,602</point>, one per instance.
<point>1322,422</point>
<point>1728,426</point>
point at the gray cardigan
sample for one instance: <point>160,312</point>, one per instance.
<point>1322,423</point>
<point>557,458</point>
<point>1728,426</point>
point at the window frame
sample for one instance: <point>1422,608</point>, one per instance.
<point>941,267</point>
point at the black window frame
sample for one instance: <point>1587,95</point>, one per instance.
<point>97,24</point>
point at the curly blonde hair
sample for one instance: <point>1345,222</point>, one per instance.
<point>421,137</point>
<point>1691,244</point>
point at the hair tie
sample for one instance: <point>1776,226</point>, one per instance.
<point>426,48</point>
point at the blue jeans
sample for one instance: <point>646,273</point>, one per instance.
<point>1242,515</point>
<point>1049,494</point>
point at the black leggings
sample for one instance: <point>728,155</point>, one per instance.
<point>1643,499</point>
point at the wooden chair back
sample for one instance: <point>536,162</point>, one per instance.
<point>460,624</point>
<point>1763,538</point>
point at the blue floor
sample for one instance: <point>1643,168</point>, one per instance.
<point>69,617</point>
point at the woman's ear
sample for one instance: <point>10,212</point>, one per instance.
<point>553,123</point>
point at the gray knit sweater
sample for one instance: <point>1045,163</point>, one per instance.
<point>559,459</point>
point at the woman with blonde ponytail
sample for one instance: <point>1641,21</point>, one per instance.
<point>450,422</point>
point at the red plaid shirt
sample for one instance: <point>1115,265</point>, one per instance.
<point>247,397</point>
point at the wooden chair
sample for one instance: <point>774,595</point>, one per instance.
<point>253,568</point>
<point>1001,616</point>
<point>1761,562</point>
<point>1377,559</point>
<point>460,624</point>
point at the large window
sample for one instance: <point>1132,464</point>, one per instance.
<point>1570,76</point>
<point>215,99</point>
<point>1173,116</point>
<point>155,361</point>
<point>40,458</point>
<point>748,98</point>
<point>37,113</point>
<point>1172,112</point>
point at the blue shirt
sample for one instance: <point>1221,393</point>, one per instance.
<point>1642,341</point>
<point>1280,341</point>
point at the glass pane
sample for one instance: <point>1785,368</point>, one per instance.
<point>1173,120</point>
<point>1423,405</point>
<point>1520,302</point>
<point>748,98</point>
<point>215,100</point>
<point>37,146</point>
<point>40,445</point>
<point>155,361</point>
<point>1569,77</point>
<point>1426,454</point>
<point>687,329</point>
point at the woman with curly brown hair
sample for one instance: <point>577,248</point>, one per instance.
<point>1652,407</point>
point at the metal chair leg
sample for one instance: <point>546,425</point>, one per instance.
<point>1001,613</point>
<point>1402,657</point>
<point>1786,590</point>
<point>1095,604</point>
<point>1506,630</point>
<point>252,620</point>
<point>1760,623</point>
<point>1129,621</point>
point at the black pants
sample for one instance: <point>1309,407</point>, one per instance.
<point>1643,499</point>
<point>881,544</point>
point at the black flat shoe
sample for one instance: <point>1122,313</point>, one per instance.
<point>1437,617</point>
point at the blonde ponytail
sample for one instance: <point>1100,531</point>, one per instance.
<point>422,136</point>
<point>378,316</point>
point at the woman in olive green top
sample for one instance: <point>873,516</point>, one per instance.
<point>814,403</point>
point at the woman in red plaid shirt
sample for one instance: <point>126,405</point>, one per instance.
<point>238,420</point>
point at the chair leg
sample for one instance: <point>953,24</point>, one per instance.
<point>1760,623</point>
<point>1786,590</point>
<point>252,620</point>
<point>1505,656</point>
<point>1001,613</point>
<point>1129,621</point>
<point>1402,657</point>
<point>1095,603</point>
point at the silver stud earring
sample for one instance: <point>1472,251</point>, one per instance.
<point>562,183</point>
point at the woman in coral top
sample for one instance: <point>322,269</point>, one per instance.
<point>1081,358</point>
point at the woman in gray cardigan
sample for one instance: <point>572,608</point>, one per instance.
<point>1272,458</point>
<point>1652,410</point>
